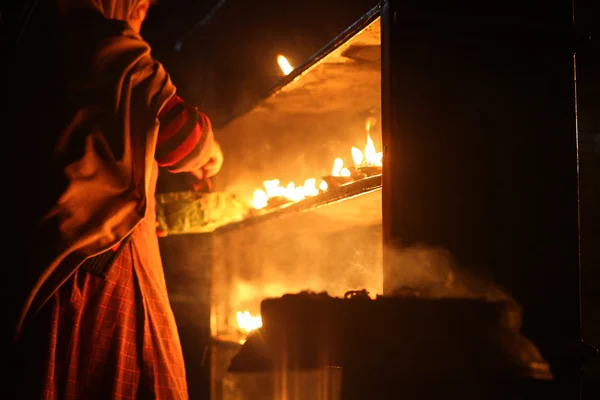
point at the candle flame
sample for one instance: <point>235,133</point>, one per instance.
<point>357,156</point>
<point>284,64</point>
<point>371,157</point>
<point>260,200</point>
<point>370,122</point>
<point>338,164</point>
<point>273,188</point>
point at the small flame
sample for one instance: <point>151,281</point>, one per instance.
<point>370,122</point>
<point>273,188</point>
<point>357,156</point>
<point>370,157</point>
<point>338,164</point>
<point>247,322</point>
<point>291,192</point>
<point>284,64</point>
<point>310,188</point>
<point>339,169</point>
<point>260,199</point>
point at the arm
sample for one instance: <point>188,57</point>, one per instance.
<point>186,141</point>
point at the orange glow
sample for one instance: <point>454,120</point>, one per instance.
<point>284,64</point>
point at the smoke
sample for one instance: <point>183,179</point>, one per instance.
<point>433,272</point>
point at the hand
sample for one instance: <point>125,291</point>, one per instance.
<point>213,166</point>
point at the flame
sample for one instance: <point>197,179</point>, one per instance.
<point>291,192</point>
<point>248,322</point>
<point>284,64</point>
<point>260,199</point>
<point>338,163</point>
<point>339,169</point>
<point>371,157</point>
<point>357,156</point>
<point>370,121</point>
<point>273,188</point>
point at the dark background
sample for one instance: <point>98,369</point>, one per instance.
<point>231,59</point>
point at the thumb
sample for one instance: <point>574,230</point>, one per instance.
<point>198,173</point>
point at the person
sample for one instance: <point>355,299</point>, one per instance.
<point>99,115</point>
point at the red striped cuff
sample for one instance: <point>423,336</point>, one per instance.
<point>185,137</point>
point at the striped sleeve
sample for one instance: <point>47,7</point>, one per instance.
<point>185,138</point>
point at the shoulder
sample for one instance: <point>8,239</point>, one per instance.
<point>87,32</point>
<point>93,44</point>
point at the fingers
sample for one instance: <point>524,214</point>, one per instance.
<point>215,163</point>
<point>212,167</point>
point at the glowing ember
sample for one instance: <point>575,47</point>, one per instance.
<point>273,188</point>
<point>284,64</point>
<point>247,322</point>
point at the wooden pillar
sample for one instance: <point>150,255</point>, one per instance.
<point>481,150</point>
